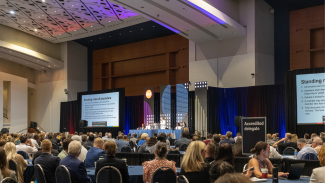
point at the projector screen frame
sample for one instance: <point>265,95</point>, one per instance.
<point>121,104</point>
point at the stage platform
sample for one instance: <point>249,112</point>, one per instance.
<point>151,132</point>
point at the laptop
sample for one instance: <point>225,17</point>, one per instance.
<point>295,171</point>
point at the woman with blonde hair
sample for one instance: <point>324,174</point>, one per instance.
<point>294,138</point>
<point>143,139</point>
<point>4,170</point>
<point>10,150</point>
<point>5,138</point>
<point>193,166</point>
<point>318,175</point>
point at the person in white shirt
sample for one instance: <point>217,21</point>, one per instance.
<point>84,151</point>
<point>23,146</point>
<point>274,153</point>
<point>35,141</point>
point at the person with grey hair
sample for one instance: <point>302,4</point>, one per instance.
<point>317,144</point>
<point>109,138</point>
<point>77,169</point>
<point>228,139</point>
<point>84,151</point>
<point>304,148</point>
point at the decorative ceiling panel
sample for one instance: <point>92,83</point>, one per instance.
<point>62,20</point>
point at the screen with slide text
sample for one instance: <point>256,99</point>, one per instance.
<point>311,98</point>
<point>101,110</point>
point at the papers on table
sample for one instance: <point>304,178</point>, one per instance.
<point>254,179</point>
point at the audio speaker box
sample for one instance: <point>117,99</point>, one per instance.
<point>83,123</point>
<point>237,121</point>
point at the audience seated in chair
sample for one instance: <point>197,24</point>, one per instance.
<point>143,138</point>
<point>47,161</point>
<point>76,167</point>
<point>182,140</point>
<point>4,170</point>
<point>120,142</point>
<point>228,139</point>
<point>110,149</point>
<point>149,167</point>
<point>11,153</point>
<point>193,166</point>
<point>318,175</point>
<point>53,140</point>
<point>209,152</point>
<point>151,144</point>
<point>209,138</point>
<point>2,143</point>
<point>143,146</point>
<point>23,146</point>
<point>317,144</point>
<point>134,138</point>
<point>304,148</point>
<point>219,169</point>
<point>216,141</point>
<point>237,148</point>
<point>287,143</point>
<point>84,151</point>
<point>260,160</point>
<point>90,141</point>
<point>38,153</point>
<point>65,145</point>
<point>94,153</point>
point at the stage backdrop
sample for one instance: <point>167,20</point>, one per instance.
<point>257,101</point>
<point>291,104</point>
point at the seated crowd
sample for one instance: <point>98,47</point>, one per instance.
<point>206,161</point>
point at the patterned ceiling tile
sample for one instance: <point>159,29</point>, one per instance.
<point>48,19</point>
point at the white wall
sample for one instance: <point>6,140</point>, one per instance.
<point>19,101</point>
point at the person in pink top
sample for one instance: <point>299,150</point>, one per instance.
<point>149,167</point>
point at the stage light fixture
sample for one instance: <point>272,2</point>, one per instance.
<point>12,12</point>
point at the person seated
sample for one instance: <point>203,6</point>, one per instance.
<point>287,143</point>
<point>269,139</point>
<point>143,138</point>
<point>125,138</point>
<point>2,143</point>
<point>53,140</point>
<point>120,142</point>
<point>77,169</point>
<point>304,148</point>
<point>35,140</point>
<point>312,138</point>
<point>65,145</point>
<point>274,153</point>
<point>84,151</point>
<point>306,137</point>
<point>233,178</point>
<point>238,135</point>
<point>228,139</point>
<point>90,142</point>
<point>216,141</point>
<point>134,139</point>
<point>193,166</point>
<point>260,160</point>
<point>4,170</point>
<point>23,146</point>
<point>148,126</point>
<point>54,152</point>
<point>151,144</point>
<point>94,153</point>
<point>84,139</point>
<point>318,175</point>
<point>144,145</point>
<point>209,152</point>
<point>317,144</point>
<point>149,167</point>
<point>237,148</point>
<point>110,149</point>
<point>195,138</point>
<point>10,150</point>
<point>48,162</point>
<point>182,140</point>
<point>209,138</point>
<point>225,154</point>
<point>219,169</point>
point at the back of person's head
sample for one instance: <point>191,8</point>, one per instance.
<point>294,138</point>
<point>46,145</point>
<point>110,148</point>
<point>211,148</point>
<point>306,135</point>
<point>186,129</point>
<point>66,143</point>
<point>125,138</point>
<point>277,134</point>
<point>76,138</point>
<point>161,138</point>
<point>109,135</point>
<point>222,137</point>
<point>120,136</point>
<point>209,136</point>
<point>135,135</point>
<point>233,178</point>
<point>229,134</point>
<point>184,134</point>
<point>259,147</point>
<point>313,135</point>
<point>193,157</point>
<point>219,169</point>
<point>225,153</point>
<point>23,139</point>
<point>10,149</point>
<point>155,134</point>
<point>76,133</point>
<point>216,138</point>
<point>238,134</point>
<point>74,148</point>
<point>91,138</point>
<point>144,136</point>
<point>289,136</point>
<point>322,134</point>
<point>321,155</point>
<point>80,133</point>
<point>268,136</point>
<point>237,148</point>
<point>36,137</point>
<point>49,136</point>
<point>3,161</point>
<point>2,143</point>
<point>84,138</point>
<point>152,141</point>
<point>198,133</point>
<point>195,138</point>
<point>98,143</point>
<point>161,149</point>
<point>301,141</point>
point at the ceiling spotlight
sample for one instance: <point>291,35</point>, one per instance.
<point>49,66</point>
<point>35,30</point>
<point>43,0</point>
<point>12,12</point>
<point>75,30</point>
<point>91,26</point>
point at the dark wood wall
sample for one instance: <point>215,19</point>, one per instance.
<point>307,38</point>
<point>154,62</point>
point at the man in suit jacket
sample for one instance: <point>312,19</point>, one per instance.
<point>53,141</point>
<point>48,162</point>
<point>182,140</point>
<point>38,153</point>
<point>110,148</point>
<point>287,143</point>
<point>94,153</point>
<point>77,169</point>
<point>120,142</point>
<point>228,139</point>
